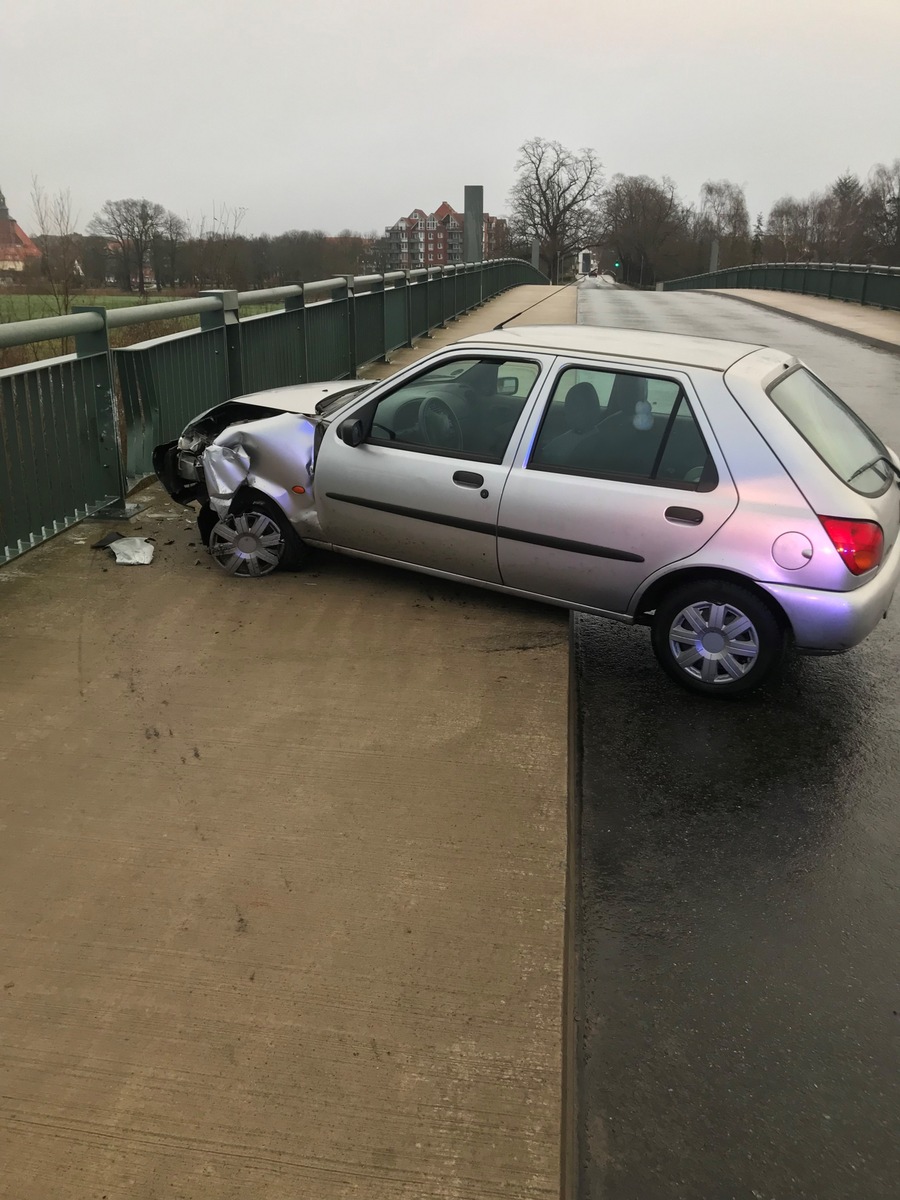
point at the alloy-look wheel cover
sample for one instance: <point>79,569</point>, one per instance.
<point>247,544</point>
<point>715,643</point>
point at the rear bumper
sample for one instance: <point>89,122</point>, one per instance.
<point>828,622</point>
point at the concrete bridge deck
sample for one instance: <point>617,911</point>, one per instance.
<point>282,874</point>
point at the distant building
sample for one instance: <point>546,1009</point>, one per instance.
<point>496,237</point>
<point>436,239</point>
<point>16,247</point>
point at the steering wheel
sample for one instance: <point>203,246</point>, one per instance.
<point>438,424</point>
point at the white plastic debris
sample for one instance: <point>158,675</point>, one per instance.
<point>132,550</point>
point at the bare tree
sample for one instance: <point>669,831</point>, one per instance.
<point>131,225</point>
<point>59,243</point>
<point>111,224</point>
<point>555,199</point>
<point>723,208</point>
<point>883,215</point>
<point>645,224</point>
<point>787,229</point>
<point>217,247</point>
<point>166,250</point>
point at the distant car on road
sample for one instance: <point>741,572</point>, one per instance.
<point>714,491</point>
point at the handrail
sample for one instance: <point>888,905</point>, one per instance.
<point>43,329</point>
<point>874,284</point>
<point>78,431</point>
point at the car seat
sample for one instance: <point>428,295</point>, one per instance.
<point>581,415</point>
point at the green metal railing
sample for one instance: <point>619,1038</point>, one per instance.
<point>874,285</point>
<point>77,432</point>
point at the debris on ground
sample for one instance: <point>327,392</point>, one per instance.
<point>127,550</point>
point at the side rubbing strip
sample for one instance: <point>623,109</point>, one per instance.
<point>540,539</point>
<point>418,514</point>
<point>513,535</point>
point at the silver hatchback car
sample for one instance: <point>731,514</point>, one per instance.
<point>715,491</point>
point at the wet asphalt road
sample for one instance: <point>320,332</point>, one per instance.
<point>737,991</point>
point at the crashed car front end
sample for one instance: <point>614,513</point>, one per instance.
<point>275,456</point>
<point>265,443</point>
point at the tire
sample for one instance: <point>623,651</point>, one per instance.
<point>718,637</point>
<point>255,539</point>
<point>206,523</point>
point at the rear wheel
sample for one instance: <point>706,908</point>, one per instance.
<point>255,539</point>
<point>718,637</point>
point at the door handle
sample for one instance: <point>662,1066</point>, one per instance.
<point>468,479</point>
<point>684,516</point>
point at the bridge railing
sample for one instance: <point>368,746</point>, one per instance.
<point>864,284</point>
<point>77,432</point>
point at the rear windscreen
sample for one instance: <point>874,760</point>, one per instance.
<point>836,434</point>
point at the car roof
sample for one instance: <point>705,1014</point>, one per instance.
<point>612,342</point>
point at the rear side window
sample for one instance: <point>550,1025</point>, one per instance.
<point>618,425</point>
<point>834,431</point>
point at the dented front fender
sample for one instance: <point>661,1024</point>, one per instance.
<point>275,456</point>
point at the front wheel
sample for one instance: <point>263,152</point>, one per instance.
<point>256,539</point>
<point>718,637</point>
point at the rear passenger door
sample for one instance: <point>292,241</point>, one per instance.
<point>618,475</point>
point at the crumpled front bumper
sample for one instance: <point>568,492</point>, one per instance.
<point>166,465</point>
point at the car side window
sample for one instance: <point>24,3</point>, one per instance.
<point>620,425</point>
<point>466,408</point>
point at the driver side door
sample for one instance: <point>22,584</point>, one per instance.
<point>423,489</point>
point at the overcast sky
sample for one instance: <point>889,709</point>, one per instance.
<point>339,114</point>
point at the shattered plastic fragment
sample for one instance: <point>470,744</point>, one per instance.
<point>132,550</point>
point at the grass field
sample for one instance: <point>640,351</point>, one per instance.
<point>15,307</point>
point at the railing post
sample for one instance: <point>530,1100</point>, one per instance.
<point>110,421</point>
<point>865,285</point>
<point>378,289</point>
<point>228,320</point>
<point>406,283</point>
<point>297,304</point>
<point>346,293</point>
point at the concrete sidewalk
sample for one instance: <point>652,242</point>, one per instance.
<point>875,326</point>
<point>282,871</point>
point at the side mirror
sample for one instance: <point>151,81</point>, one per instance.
<point>351,431</point>
<point>507,385</point>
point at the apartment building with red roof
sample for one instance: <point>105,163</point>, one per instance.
<point>435,239</point>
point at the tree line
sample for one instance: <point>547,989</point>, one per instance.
<point>139,246</point>
<point>561,200</point>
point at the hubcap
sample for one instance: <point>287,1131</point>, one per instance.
<point>715,643</point>
<point>246,544</point>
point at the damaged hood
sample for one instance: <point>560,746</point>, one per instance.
<point>302,397</point>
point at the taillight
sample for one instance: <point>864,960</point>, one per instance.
<point>859,543</point>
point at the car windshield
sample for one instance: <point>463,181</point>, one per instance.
<point>331,403</point>
<point>836,434</point>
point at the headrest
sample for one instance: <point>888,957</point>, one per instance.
<point>582,406</point>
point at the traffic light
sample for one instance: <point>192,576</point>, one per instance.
<point>617,264</point>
